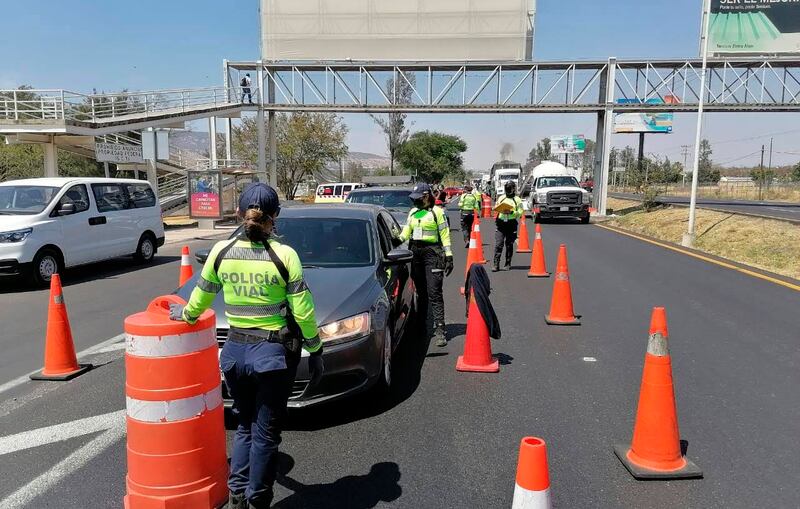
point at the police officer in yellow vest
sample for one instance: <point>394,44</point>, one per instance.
<point>429,239</point>
<point>271,316</point>
<point>468,203</point>
<point>506,225</point>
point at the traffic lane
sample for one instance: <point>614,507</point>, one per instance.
<point>98,297</point>
<point>765,208</point>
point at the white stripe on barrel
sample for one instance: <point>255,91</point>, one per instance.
<point>174,410</point>
<point>171,345</point>
<point>527,499</point>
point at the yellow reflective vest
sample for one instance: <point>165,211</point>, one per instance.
<point>427,225</point>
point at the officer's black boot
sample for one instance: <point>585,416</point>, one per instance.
<point>438,336</point>
<point>508,261</point>
<point>237,501</point>
<point>496,264</point>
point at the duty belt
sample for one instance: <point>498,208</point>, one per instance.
<point>250,336</point>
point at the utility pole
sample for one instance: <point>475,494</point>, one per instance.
<point>685,152</point>
<point>761,175</point>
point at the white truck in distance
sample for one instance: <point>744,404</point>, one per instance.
<point>503,172</point>
<point>556,193</point>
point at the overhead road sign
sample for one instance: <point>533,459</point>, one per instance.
<point>567,144</point>
<point>755,27</point>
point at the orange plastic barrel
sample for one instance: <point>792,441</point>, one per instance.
<point>176,428</point>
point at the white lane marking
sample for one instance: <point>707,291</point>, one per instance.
<point>61,432</point>
<point>113,423</point>
<point>588,359</point>
<point>89,351</point>
<point>112,348</point>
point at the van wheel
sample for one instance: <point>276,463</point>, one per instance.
<point>46,263</point>
<point>146,249</point>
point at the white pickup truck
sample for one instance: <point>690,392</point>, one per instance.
<point>556,193</point>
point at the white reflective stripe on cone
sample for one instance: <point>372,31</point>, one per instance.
<point>185,260</point>
<point>168,346</point>
<point>175,410</point>
<point>526,499</point>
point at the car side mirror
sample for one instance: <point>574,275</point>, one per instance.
<point>398,256</point>
<point>201,256</point>
<point>66,209</point>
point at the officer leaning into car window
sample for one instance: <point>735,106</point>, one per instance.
<point>468,203</point>
<point>428,234</point>
<point>271,315</point>
<point>506,225</point>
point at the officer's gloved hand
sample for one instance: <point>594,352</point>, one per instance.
<point>448,265</point>
<point>176,312</point>
<point>316,367</point>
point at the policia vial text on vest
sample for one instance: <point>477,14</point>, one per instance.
<point>506,225</point>
<point>429,239</point>
<point>271,316</point>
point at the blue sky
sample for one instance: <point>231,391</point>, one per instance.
<point>85,44</point>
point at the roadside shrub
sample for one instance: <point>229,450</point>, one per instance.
<point>650,201</point>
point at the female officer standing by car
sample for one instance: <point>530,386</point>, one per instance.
<point>428,234</point>
<point>271,315</point>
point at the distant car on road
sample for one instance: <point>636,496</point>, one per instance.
<point>364,296</point>
<point>49,224</point>
<point>393,199</point>
<point>453,191</point>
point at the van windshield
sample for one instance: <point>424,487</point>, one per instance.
<point>510,176</point>
<point>25,200</point>
<point>564,181</point>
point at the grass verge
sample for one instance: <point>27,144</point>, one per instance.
<point>764,243</point>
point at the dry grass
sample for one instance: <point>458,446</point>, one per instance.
<point>618,204</point>
<point>789,193</point>
<point>763,243</point>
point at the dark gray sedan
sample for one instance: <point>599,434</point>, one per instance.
<point>364,297</point>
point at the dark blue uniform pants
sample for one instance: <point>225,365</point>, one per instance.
<point>260,392</point>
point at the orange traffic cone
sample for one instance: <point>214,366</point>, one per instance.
<point>473,255</point>
<point>532,489</point>
<point>561,312</point>
<point>655,452</point>
<point>538,266</point>
<point>477,349</point>
<point>487,206</point>
<point>476,228</point>
<point>60,361</point>
<point>186,267</point>
<point>523,245</point>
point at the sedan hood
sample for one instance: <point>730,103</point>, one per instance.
<point>338,293</point>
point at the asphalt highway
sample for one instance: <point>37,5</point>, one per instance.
<point>759,208</point>
<point>447,439</point>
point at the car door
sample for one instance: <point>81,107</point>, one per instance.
<point>396,279</point>
<point>79,240</point>
<point>112,222</point>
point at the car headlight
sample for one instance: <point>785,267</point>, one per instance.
<point>345,330</point>
<point>585,198</point>
<point>541,197</point>
<point>15,236</point>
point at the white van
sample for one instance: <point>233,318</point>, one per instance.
<point>335,193</point>
<point>49,224</point>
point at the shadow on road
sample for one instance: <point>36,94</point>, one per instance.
<point>102,270</point>
<point>378,485</point>
<point>504,358</point>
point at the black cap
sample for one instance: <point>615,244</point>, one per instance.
<point>259,196</point>
<point>419,190</point>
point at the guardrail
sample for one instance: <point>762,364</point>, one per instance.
<point>56,104</point>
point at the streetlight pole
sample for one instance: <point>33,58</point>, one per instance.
<point>688,236</point>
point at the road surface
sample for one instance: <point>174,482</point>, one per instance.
<point>773,209</point>
<point>447,439</point>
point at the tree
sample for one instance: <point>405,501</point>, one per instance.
<point>394,124</point>
<point>305,143</point>
<point>355,171</point>
<point>706,171</point>
<point>795,175</point>
<point>27,161</point>
<point>539,153</point>
<point>432,156</point>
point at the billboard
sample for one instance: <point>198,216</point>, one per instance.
<point>396,30</point>
<point>646,122</point>
<point>753,27</point>
<point>205,194</point>
<point>567,144</point>
<point>118,153</point>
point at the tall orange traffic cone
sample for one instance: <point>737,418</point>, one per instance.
<point>655,452</point>
<point>538,267</point>
<point>561,312</point>
<point>523,245</point>
<point>476,227</point>
<point>477,349</point>
<point>60,361</point>
<point>186,267</point>
<point>473,256</point>
<point>532,488</point>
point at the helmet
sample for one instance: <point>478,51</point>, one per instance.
<point>510,187</point>
<point>259,196</point>
<point>419,190</point>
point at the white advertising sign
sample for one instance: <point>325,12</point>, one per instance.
<point>118,153</point>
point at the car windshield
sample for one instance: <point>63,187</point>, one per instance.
<point>327,242</point>
<point>564,181</point>
<point>395,201</point>
<point>25,199</point>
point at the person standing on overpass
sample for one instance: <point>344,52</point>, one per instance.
<point>428,234</point>
<point>271,315</point>
<point>467,204</point>
<point>506,225</point>
<point>245,84</point>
